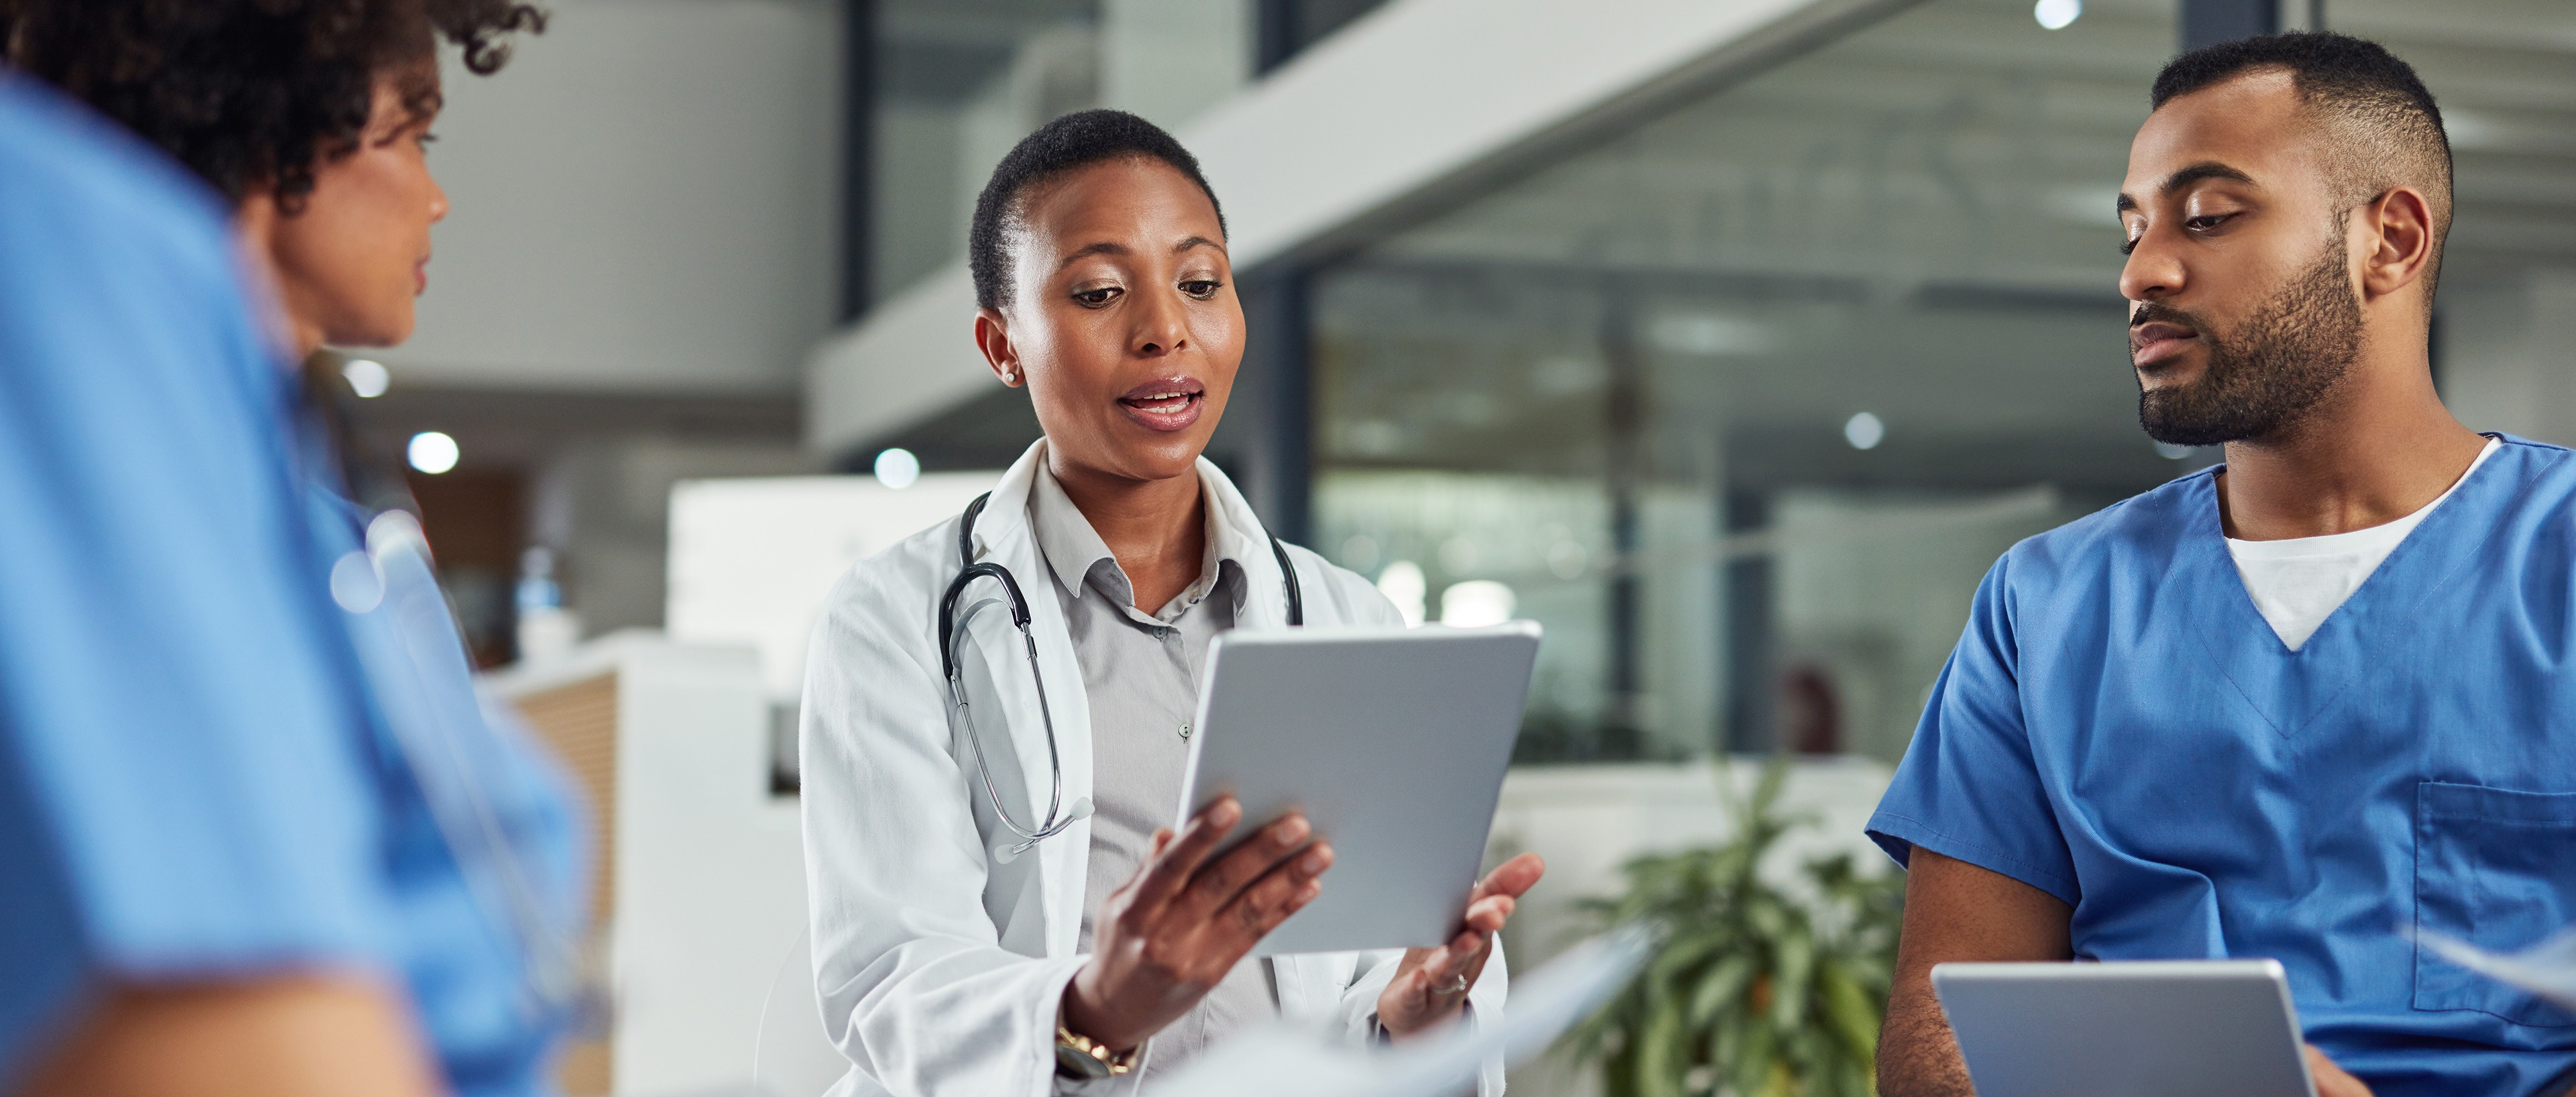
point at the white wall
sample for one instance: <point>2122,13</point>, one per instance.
<point>643,199</point>
<point>753,558</point>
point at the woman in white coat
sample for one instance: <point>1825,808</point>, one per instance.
<point>996,910</point>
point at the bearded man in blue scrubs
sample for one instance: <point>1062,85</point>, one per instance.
<point>2289,706</point>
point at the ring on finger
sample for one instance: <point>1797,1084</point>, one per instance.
<point>1457,984</point>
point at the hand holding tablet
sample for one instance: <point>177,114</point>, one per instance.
<point>1394,743</point>
<point>1431,982</point>
<point>1186,918</point>
<point>1391,743</point>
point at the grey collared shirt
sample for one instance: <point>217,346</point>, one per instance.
<point>1141,673</point>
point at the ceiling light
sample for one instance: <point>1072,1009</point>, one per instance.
<point>2057,14</point>
<point>432,452</point>
<point>1864,431</point>
<point>1709,334</point>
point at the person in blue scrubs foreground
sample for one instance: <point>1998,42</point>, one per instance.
<point>256,834</point>
<point>2294,705</point>
<point>179,789</point>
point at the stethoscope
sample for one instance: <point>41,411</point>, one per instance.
<point>969,570</point>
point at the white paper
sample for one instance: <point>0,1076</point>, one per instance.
<point>1286,1060</point>
<point>2547,969</point>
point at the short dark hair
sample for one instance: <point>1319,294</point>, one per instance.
<point>2384,127</point>
<point>253,94</point>
<point>1074,141</point>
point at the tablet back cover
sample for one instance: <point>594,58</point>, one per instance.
<point>1393,741</point>
<point>2157,1028</point>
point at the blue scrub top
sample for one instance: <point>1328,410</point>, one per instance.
<point>2120,728</point>
<point>198,779</point>
<point>482,864</point>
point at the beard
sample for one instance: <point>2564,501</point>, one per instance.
<point>2270,374</point>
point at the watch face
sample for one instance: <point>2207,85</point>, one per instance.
<point>1074,1063</point>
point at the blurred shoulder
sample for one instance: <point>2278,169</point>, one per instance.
<point>67,168</point>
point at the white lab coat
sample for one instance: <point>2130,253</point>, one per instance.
<point>939,966</point>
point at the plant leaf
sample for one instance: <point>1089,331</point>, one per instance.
<point>1853,1016</point>
<point>1720,989</point>
<point>1753,992</point>
<point>1659,1068</point>
<point>1797,952</point>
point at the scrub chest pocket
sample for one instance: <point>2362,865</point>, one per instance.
<point>2496,868</point>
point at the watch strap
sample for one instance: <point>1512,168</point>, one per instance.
<point>1079,1056</point>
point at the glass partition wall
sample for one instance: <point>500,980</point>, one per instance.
<point>1741,400</point>
<point>957,83</point>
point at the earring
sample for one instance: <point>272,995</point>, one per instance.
<point>1011,378</point>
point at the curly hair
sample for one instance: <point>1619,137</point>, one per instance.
<point>253,95</point>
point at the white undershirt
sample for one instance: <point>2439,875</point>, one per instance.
<point>2297,583</point>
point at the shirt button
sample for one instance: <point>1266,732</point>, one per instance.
<point>1162,633</point>
<point>1185,730</point>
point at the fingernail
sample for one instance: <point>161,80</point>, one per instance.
<point>1312,889</point>
<point>1291,829</point>
<point>1316,860</point>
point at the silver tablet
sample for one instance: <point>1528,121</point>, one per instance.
<point>1393,741</point>
<point>2161,1028</point>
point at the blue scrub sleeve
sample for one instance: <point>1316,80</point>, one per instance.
<point>184,791</point>
<point>1968,788</point>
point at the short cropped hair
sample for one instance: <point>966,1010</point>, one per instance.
<point>2380,126</point>
<point>253,95</point>
<point>1058,148</point>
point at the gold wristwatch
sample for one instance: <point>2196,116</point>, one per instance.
<point>1081,1057</point>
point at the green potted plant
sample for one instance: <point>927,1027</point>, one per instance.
<point>1752,992</point>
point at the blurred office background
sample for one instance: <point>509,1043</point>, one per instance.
<point>1732,340</point>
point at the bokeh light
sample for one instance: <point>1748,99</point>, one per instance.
<point>432,452</point>
<point>897,468</point>
<point>367,377</point>
<point>1864,431</point>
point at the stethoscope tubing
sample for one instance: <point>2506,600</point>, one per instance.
<point>1057,819</point>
